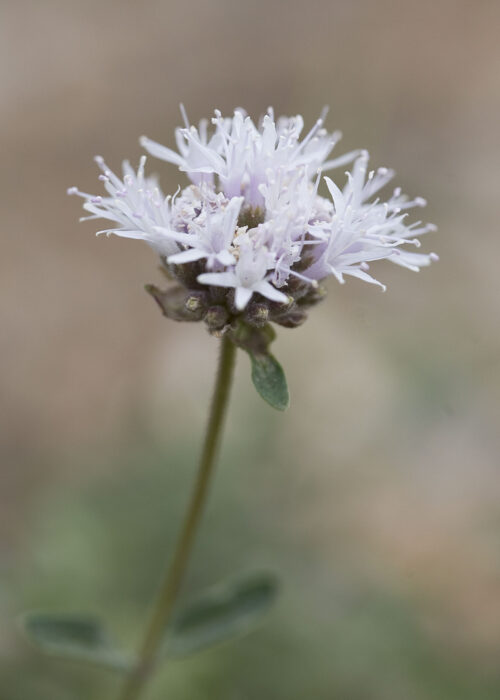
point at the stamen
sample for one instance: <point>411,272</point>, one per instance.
<point>184,115</point>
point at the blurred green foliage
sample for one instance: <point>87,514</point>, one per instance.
<point>102,549</point>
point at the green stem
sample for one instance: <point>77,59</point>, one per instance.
<point>168,593</point>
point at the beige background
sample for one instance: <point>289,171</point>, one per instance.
<point>395,396</point>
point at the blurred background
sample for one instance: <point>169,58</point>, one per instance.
<point>377,495</point>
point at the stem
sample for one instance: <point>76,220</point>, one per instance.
<point>170,588</point>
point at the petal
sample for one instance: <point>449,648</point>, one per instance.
<point>355,272</point>
<point>123,233</point>
<point>267,290</point>
<point>242,297</point>
<point>341,160</point>
<point>225,258</point>
<point>161,152</point>
<point>218,279</point>
<point>412,261</point>
<point>186,238</point>
<point>337,196</point>
<point>187,256</point>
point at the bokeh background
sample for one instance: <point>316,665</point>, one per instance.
<point>377,495</point>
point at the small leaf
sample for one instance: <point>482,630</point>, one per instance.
<point>269,380</point>
<point>267,373</point>
<point>228,611</point>
<point>77,638</point>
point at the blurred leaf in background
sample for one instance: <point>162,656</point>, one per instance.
<point>102,550</point>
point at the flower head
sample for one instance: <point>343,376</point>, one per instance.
<point>251,226</point>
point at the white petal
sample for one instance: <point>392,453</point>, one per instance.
<point>267,290</point>
<point>225,258</point>
<point>337,196</point>
<point>190,239</point>
<point>242,297</point>
<point>161,152</point>
<point>218,279</point>
<point>341,160</point>
<point>412,261</point>
<point>355,272</point>
<point>123,233</point>
<point>187,256</point>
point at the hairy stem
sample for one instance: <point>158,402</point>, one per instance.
<point>168,593</point>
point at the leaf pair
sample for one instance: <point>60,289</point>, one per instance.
<point>224,613</point>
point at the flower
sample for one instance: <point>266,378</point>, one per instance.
<point>251,226</point>
<point>248,276</point>
<point>135,203</point>
<point>238,156</point>
<point>210,235</point>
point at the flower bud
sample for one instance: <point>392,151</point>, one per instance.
<point>292,318</point>
<point>178,303</point>
<point>257,314</point>
<point>216,318</point>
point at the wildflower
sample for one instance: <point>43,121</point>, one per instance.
<point>210,237</point>
<point>248,276</point>
<point>248,242</point>
<point>135,203</point>
<point>251,226</point>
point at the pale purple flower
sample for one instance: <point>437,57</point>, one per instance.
<point>361,231</point>
<point>210,235</point>
<point>252,216</point>
<point>239,155</point>
<point>248,276</point>
<point>135,203</point>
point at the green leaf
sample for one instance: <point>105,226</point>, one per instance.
<point>226,612</point>
<point>77,638</point>
<point>269,380</point>
<point>267,373</point>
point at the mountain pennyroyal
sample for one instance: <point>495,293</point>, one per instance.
<point>249,242</point>
<point>252,222</point>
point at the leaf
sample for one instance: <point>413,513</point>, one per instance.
<point>269,379</point>
<point>78,638</point>
<point>267,373</point>
<point>228,611</point>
